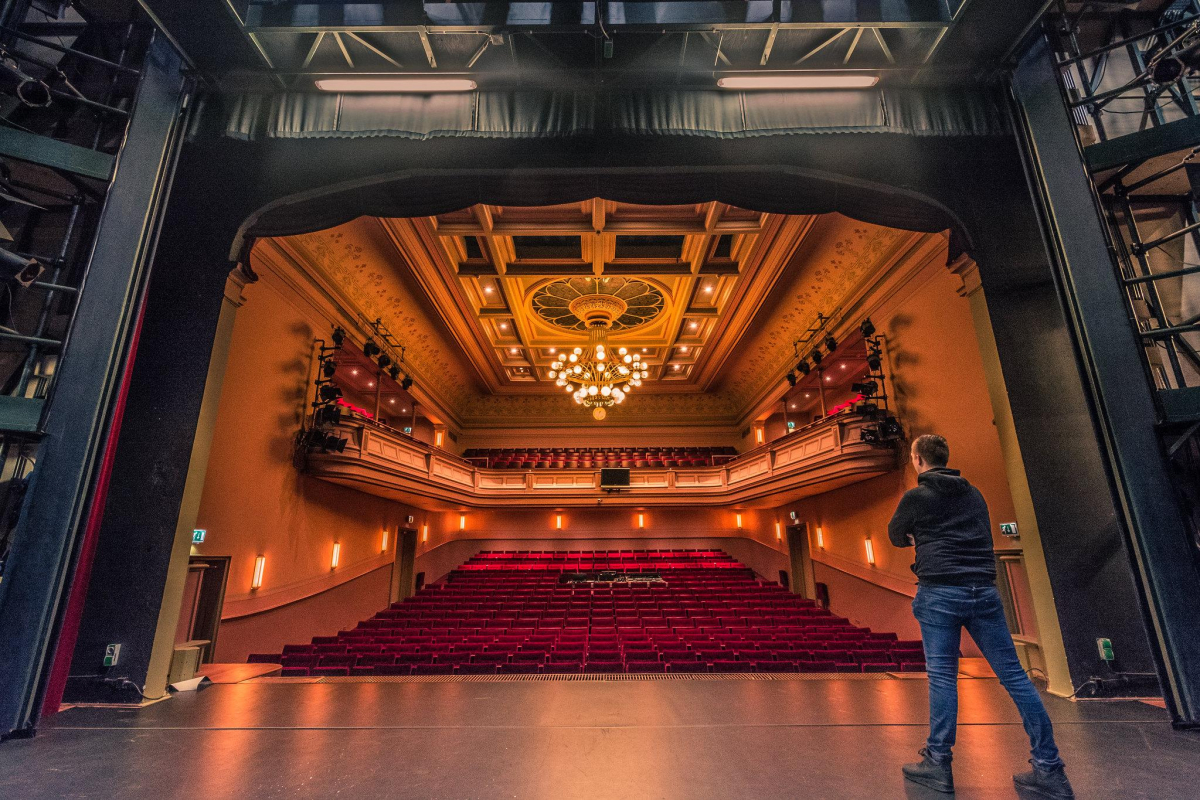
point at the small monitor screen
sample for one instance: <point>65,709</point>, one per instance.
<point>614,478</point>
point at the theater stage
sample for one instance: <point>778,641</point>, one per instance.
<point>724,737</point>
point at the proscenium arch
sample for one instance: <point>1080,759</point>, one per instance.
<point>227,191</point>
<point>773,189</point>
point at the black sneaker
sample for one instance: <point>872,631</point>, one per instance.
<point>928,772</point>
<point>1045,782</point>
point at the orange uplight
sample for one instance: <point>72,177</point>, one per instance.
<point>260,564</point>
<point>337,555</point>
<point>870,551</point>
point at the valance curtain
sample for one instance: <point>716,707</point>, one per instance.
<point>525,114</point>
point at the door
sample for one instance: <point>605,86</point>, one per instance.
<point>802,570</point>
<point>403,568</point>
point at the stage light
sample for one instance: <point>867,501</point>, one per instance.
<point>867,327</point>
<point>1167,70</point>
<point>406,384</point>
<point>641,519</point>
<point>334,444</point>
<point>414,85</point>
<point>383,547</point>
<point>462,522</point>
<point>891,429</point>
<point>739,521</point>
<point>804,367</point>
<point>816,357</point>
<point>29,91</point>
<point>314,438</point>
<point>384,361</point>
<point>830,343</point>
<point>866,388</point>
<point>810,80</point>
<point>330,393</point>
<point>329,415</point>
<point>337,555</point>
<point>870,551</point>
<point>791,378</point>
<point>328,367</point>
<point>820,537</point>
<point>19,268</point>
<point>339,337</point>
<point>260,563</point>
<point>558,523</point>
<point>370,349</point>
<point>874,362</point>
<point>394,372</point>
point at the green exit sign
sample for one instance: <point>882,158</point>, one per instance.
<point>198,535</point>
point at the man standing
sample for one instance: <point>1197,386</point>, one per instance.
<point>946,518</point>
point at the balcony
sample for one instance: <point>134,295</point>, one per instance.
<point>818,458</point>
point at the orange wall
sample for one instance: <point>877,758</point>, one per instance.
<point>936,378</point>
<point>255,502</point>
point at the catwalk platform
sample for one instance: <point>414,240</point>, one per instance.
<point>709,738</point>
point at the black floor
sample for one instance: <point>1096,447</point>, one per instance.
<point>690,740</point>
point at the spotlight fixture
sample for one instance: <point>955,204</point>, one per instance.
<point>339,337</point>
<point>874,361</point>
<point>867,327</point>
<point>330,393</point>
<point>804,367</point>
<point>830,343</point>
<point>329,415</point>
<point>394,372</point>
<point>384,361</point>
<point>314,438</point>
<point>334,444</point>
<point>791,378</point>
<point>866,388</point>
<point>370,349</point>
<point>328,367</point>
<point>816,357</point>
<point>23,271</point>
<point>407,383</point>
<point>29,91</point>
<point>1167,70</point>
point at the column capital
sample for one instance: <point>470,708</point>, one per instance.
<point>239,277</point>
<point>967,271</point>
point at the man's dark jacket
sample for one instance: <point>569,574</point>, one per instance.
<point>947,519</point>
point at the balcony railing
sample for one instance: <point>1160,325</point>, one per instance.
<point>821,457</point>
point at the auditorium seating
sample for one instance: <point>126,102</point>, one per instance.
<point>597,457</point>
<point>510,612</point>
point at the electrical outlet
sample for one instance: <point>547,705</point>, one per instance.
<point>112,654</point>
<point>1104,646</point>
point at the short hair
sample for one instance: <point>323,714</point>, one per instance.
<point>932,449</point>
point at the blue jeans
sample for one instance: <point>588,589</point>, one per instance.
<point>943,611</point>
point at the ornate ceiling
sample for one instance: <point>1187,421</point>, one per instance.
<point>715,296</point>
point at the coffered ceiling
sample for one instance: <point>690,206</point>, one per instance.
<point>715,295</point>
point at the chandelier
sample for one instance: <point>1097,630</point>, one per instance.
<point>596,378</point>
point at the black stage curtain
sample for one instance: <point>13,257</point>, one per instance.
<point>518,114</point>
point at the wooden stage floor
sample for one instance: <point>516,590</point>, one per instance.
<point>595,739</point>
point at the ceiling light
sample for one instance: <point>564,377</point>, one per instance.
<point>391,399</point>
<point>553,350</point>
<point>513,350</point>
<point>842,366</point>
<point>708,288</point>
<point>503,326</point>
<point>683,349</point>
<point>695,325</point>
<point>419,85</point>
<point>370,383</point>
<point>487,290</point>
<point>354,371</point>
<point>800,81</point>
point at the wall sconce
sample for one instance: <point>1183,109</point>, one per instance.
<point>870,551</point>
<point>778,530</point>
<point>438,438</point>
<point>260,564</point>
<point>383,547</point>
<point>424,533</point>
<point>558,523</point>
<point>337,555</point>
<point>739,521</point>
<point>760,435</point>
<point>641,519</point>
<point>462,522</point>
<point>820,538</point>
